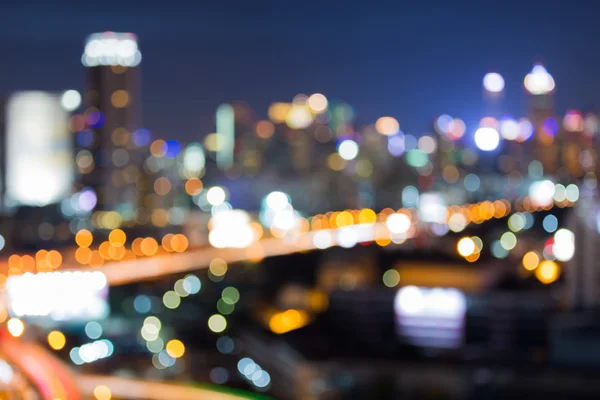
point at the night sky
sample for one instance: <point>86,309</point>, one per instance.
<point>384,58</point>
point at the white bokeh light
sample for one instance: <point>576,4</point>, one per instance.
<point>70,100</point>
<point>348,150</point>
<point>493,82</point>
<point>215,196</point>
<point>398,223</point>
<point>487,139</point>
<point>539,81</point>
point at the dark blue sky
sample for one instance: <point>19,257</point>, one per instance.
<point>412,60</point>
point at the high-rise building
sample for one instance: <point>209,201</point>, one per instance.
<point>540,86</point>
<point>112,101</point>
<point>38,150</point>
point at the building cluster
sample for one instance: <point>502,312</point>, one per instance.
<point>88,160</point>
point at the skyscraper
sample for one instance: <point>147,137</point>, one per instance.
<point>112,101</point>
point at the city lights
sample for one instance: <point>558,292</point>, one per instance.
<point>348,150</point>
<point>111,48</point>
<point>56,340</point>
<point>465,246</point>
<point>15,327</point>
<point>70,100</point>
<point>317,103</point>
<point>387,126</point>
<point>493,82</point>
<point>539,81</point>
<point>547,271</point>
<point>217,323</point>
<point>235,235</point>
<point>487,139</point>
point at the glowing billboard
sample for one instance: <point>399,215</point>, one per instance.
<point>39,160</point>
<point>59,296</point>
<point>430,317</point>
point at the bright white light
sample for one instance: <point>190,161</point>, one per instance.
<point>194,160</point>
<point>432,208</point>
<point>539,81</point>
<point>430,317</point>
<point>348,150</point>
<point>572,193</point>
<point>322,239</point>
<point>409,300</point>
<point>398,223</point>
<point>15,327</point>
<point>542,192</point>
<point>215,196</point>
<point>277,200</point>
<point>70,100</point>
<point>564,245</point>
<point>493,82</point>
<point>285,220</point>
<point>231,229</point>
<point>58,295</point>
<point>347,237</point>
<point>299,117</point>
<point>39,156</point>
<point>509,128</point>
<point>6,372</point>
<point>487,139</point>
<point>111,48</point>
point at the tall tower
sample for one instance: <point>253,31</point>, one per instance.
<point>540,86</point>
<point>112,101</point>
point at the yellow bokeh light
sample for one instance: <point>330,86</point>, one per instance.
<point>83,255</point>
<point>288,320</point>
<point>179,243</point>
<point>15,327</point>
<point>103,250</point>
<point>117,237</point>
<point>218,267</point>
<point>102,392</point>
<point>336,162</point>
<point>84,238</point>
<point>531,260</point>
<point>136,246</point>
<point>28,263</point>
<point>119,98</point>
<point>116,252</point>
<point>212,142</point>
<point>166,242</point>
<point>175,348</point>
<point>466,246</point>
<point>56,340</point>
<point>344,219</point>
<point>547,271</point>
<point>367,216</point>
<point>149,246</point>
<point>279,111</point>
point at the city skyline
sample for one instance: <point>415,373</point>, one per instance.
<point>403,77</point>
